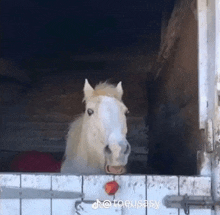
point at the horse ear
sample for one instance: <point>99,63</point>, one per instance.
<point>88,90</point>
<point>119,89</point>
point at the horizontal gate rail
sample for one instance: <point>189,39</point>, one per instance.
<point>31,193</point>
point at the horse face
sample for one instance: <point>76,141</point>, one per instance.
<point>106,126</point>
<point>111,113</point>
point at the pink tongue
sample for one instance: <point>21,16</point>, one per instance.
<point>115,169</point>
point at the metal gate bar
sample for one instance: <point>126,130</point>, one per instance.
<point>31,193</point>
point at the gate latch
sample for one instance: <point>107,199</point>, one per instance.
<point>189,202</point>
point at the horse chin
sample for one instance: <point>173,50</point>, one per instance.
<point>115,170</point>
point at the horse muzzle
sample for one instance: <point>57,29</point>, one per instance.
<point>115,170</point>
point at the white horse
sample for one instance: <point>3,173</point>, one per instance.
<point>96,142</point>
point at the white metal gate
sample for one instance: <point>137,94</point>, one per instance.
<point>55,194</point>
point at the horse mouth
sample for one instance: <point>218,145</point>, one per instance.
<point>116,170</point>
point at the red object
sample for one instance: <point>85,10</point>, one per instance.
<point>111,187</point>
<point>33,161</point>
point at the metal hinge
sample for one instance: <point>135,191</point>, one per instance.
<point>189,202</point>
<point>33,193</point>
<point>210,136</point>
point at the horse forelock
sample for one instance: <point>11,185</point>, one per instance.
<point>105,89</point>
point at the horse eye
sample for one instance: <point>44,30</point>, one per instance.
<point>90,111</point>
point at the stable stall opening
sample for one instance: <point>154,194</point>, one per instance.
<point>47,51</point>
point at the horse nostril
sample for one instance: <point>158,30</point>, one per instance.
<point>108,150</point>
<point>127,149</point>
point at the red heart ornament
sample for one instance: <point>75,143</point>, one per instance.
<point>111,187</point>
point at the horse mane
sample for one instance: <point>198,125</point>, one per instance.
<point>106,89</point>
<point>75,132</point>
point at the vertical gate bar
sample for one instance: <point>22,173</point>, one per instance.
<point>205,84</point>
<point>211,60</point>
<point>216,156</point>
<point>203,61</point>
<point>20,200</point>
<point>209,82</point>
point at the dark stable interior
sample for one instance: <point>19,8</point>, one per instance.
<point>57,44</point>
